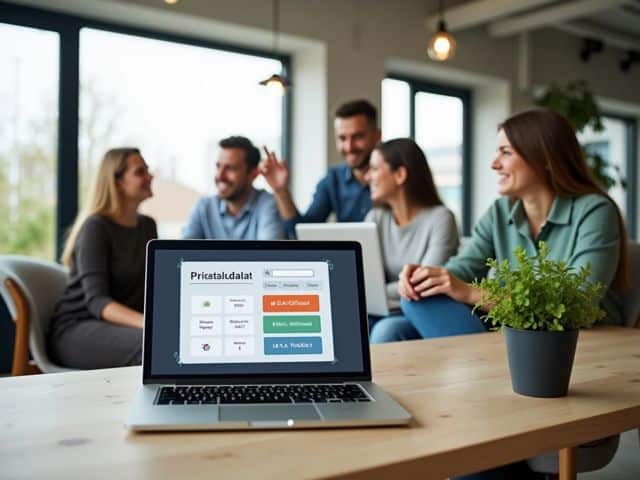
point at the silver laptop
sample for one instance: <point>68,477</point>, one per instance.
<point>366,234</point>
<point>256,335</point>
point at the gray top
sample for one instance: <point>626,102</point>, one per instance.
<point>257,220</point>
<point>108,265</point>
<point>430,239</point>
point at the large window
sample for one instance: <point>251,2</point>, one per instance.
<point>76,87</point>
<point>28,138</point>
<point>616,145</point>
<point>175,102</point>
<point>437,118</point>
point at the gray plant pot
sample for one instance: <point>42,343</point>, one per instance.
<point>540,362</point>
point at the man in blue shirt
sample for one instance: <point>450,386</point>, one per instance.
<point>343,190</point>
<point>238,211</point>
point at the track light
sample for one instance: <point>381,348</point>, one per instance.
<point>589,47</point>
<point>632,57</point>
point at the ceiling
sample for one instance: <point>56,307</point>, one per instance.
<point>614,22</point>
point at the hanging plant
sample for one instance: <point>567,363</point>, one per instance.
<point>578,105</point>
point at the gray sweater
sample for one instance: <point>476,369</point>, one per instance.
<point>108,265</point>
<point>430,239</point>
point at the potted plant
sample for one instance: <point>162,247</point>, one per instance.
<point>540,304</point>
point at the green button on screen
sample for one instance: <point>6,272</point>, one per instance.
<point>291,323</point>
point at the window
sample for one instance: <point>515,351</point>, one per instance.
<point>616,145</point>
<point>76,87</point>
<point>28,139</point>
<point>175,102</point>
<point>437,118</point>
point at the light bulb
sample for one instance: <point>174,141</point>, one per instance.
<point>275,84</point>
<point>171,2</point>
<point>275,87</point>
<point>442,45</point>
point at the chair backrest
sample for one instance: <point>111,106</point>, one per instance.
<point>631,298</point>
<point>42,283</point>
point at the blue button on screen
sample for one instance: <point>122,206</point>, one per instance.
<point>292,345</point>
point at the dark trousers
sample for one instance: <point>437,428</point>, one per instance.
<point>89,344</point>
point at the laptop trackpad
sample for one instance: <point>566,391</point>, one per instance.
<point>267,413</point>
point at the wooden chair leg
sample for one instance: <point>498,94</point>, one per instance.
<point>567,463</point>
<point>21,364</point>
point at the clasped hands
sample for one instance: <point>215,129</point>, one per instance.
<point>417,281</point>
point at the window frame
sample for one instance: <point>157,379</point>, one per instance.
<point>465,95</point>
<point>631,192</point>
<point>68,27</point>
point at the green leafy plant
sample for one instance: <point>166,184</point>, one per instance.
<point>539,294</point>
<point>578,105</point>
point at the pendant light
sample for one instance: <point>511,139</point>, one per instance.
<point>276,83</point>
<point>442,45</point>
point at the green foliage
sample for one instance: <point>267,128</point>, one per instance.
<point>577,104</point>
<point>539,294</point>
<point>606,175</point>
<point>26,208</point>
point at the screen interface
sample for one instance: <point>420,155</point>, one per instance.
<point>254,312</point>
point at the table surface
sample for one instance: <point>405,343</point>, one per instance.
<point>466,418</point>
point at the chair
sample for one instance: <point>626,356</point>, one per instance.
<point>631,298</point>
<point>30,288</point>
<point>596,455</point>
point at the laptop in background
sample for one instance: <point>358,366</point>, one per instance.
<point>366,234</point>
<point>256,335</point>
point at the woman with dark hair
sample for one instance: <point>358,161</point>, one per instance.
<point>413,224</point>
<point>547,194</point>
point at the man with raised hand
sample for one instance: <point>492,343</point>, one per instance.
<point>343,190</point>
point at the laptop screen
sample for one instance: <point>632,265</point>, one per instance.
<point>235,310</point>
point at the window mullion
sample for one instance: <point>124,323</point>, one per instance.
<point>68,132</point>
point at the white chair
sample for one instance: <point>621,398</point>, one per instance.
<point>30,288</point>
<point>596,455</point>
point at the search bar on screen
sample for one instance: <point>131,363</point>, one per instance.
<point>289,273</point>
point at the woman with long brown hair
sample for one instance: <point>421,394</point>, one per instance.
<point>413,224</point>
<point>548,194</point>
<point>98,322</point>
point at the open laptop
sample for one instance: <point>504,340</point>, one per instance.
<point>256,335</point>
<point>366,234</point>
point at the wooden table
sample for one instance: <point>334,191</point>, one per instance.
<point>466,418</point>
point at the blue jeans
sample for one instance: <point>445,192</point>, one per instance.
<point>394,328</point>
<point>441,316</point>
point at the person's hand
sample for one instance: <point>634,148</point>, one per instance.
<point>405,288</point>
<point>428,281</point>
<point>274,171</point>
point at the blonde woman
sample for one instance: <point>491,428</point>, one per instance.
<point>98,322</point>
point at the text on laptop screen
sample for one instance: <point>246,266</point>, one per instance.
<point>254,312</point>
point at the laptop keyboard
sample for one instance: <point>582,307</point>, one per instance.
<point>243,394</point>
